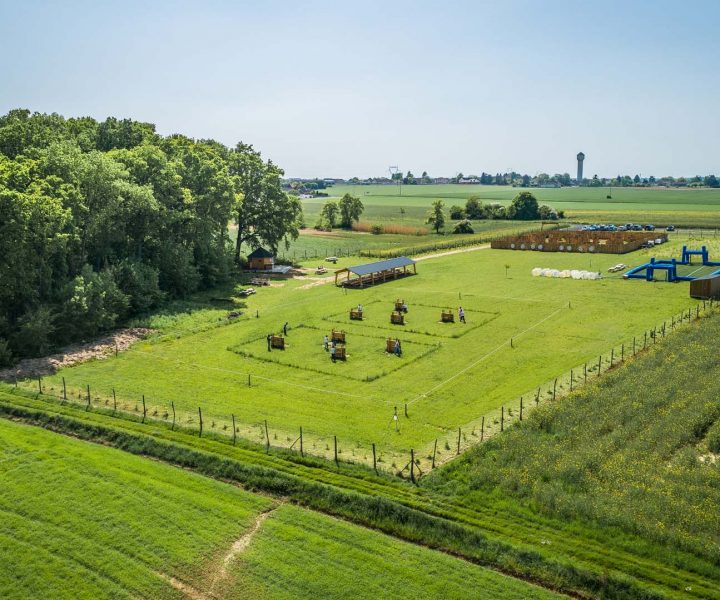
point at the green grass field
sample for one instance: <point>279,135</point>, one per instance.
<point>451,375</point>
<point>84,521</point>
<point>685,207</point>
<point>630,451</point>
<point>300,554</point>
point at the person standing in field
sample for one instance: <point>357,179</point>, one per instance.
<point>269,341</point>
<point>332,353</point>
<point>285,328</point>
<point>326,343</point>
<point>461,314</point>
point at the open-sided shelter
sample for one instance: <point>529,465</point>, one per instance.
<point>376,272</point>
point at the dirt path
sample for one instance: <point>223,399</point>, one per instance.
<point>186,590</point>
<point>241,544</point>
<point>449,252</point>
<point>77,353</point>
<point>321,281</point>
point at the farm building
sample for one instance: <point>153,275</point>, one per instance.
<point>376,272</point>
<point>705,288</point>
<point>261,260</point>
<point>605,242</point>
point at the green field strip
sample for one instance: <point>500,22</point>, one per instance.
<point>490,519</point>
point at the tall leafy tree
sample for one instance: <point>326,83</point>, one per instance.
<point>436,216</point>
<point>351,208</point>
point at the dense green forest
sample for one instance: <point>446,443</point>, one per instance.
<point>100,221</point>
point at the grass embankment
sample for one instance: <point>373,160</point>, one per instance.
<point>499,532</point>
<point>555,324</point>
<point>84,521</point>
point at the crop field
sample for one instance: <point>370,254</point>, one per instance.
<point>521,332</point>
<point>84,521</point>
<point>638,450</point>
<point>684,207</point>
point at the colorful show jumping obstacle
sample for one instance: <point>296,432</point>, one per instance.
<point>337,336</point>
<point>447,316</point>
<point>278,342</point>
<point>356,314</point>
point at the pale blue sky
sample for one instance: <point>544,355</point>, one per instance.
<point>342,89</point>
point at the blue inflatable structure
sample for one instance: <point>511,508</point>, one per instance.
<point>648,270</point>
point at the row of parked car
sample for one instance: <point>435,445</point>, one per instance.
<point>626,227</point>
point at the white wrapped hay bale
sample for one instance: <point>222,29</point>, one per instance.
<point>565,274</point>
<point>536,272</point>
<point>575,274</point>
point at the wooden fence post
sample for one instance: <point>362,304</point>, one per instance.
<point>585,372</point>
<point>554,388</point>
<point>144,409</point>
<point>301,443</point>
<point>234,430</point>
<point>201,422</point>
<point>39,385</point>
<point>249,384</point>
<point>458,443</point>
<point>622,353</point>
<point>599,364</point>
<point>172,403</point>
<point>645,341</point>
<point>434,452</point>
<point>633,345</point>
<point>374,460</point>
<point>571,380</point>
<point>521,407</point>
<point>88,398</point>
<point>336,457</point>
<point>537,400</point>
<point>502,418</point>
<point>406,413</point>
<point>267,438</point>
<point>412,465</point>
<point>64,390</point>
<point>114,401</point>
<point>612,356</point>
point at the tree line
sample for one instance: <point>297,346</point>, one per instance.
<point>100,221</point>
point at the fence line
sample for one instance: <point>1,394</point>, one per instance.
<point>330,447</point>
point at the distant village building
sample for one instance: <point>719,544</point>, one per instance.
<point>261,260</point>
<point>468,180</point>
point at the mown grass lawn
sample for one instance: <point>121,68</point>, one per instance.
<point>85,521</point>
<point>555,325</point>
<point>300,554</point>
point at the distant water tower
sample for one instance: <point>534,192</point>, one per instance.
<point>580,159</point>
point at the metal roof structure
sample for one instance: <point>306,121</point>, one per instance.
<point>260,253</point>
<point>382,265</point>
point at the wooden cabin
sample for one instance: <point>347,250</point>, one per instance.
<point>261,260</point>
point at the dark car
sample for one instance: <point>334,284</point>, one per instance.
<point>649,227</point>
<point>670,228</point>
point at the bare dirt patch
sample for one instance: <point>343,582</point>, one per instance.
<point>318,233</point>
<point>77,353</point>
<point>449,252</point>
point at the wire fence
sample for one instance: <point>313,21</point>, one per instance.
<point>411,463</point>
